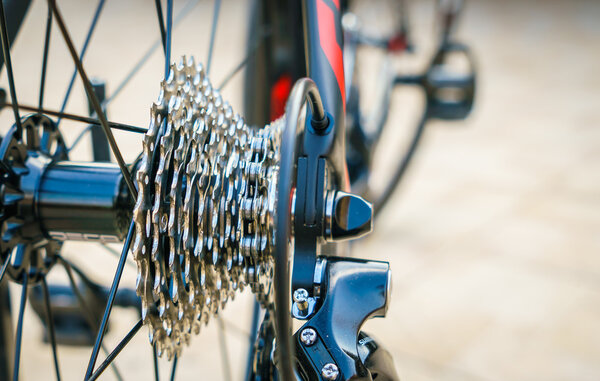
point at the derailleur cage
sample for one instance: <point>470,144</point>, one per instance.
<point>329,345</point>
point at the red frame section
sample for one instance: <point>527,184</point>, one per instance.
<point>332,49</point>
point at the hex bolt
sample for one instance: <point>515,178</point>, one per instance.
<point>330,372</point>
<point>308,336</point>
<point>301,299</point>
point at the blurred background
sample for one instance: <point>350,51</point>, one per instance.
<point>493,236</point>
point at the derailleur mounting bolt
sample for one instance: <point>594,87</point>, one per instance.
<point>330,372</point>
<point>301,299</point>
<point>308,336</point>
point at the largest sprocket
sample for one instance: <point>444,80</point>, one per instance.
<point>207,188</point>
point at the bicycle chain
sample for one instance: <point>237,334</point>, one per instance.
<point>204,213</point>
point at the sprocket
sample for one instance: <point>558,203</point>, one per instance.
<point>204,213</point>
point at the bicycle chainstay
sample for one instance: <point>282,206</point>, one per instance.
<point>204,214</point>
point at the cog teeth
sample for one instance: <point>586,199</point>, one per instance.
<point>173,290</point>
<point>203,221</point>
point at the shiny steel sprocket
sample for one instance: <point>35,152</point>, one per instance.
<point>204,213</point>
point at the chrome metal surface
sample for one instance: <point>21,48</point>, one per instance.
<point>204,215</point>
<point>308,336</point>
<point>330,372</point>
<point>347,216</point>
<point>301,298</point>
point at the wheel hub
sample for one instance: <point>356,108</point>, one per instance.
<point>25,155</point>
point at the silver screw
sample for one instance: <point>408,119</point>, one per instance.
<point>308,336</point>
<point>301,299</point>
<point>330,372</point>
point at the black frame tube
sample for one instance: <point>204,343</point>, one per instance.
<point>323,38</point>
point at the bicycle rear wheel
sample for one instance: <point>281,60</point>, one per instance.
<point>92,61</point>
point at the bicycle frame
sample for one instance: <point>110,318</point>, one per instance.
<point>323,34</point>
<point>320,167</point>
<point>324,60</point>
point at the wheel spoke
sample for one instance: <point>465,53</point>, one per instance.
<point>213,32</point>
<point>109,359</point>
<point>155,358</point>
<point>111,299</point>
<point>45,57</point>
<point>83,119</point>
<point>244,62</point>
<point>169,36</point>
<point>224,351</point>
<point>161,24</point>
<point>5,265</point>
<point>50,326</point>
<point>88,37</point>
<point>403,165</point>
<point>79,137</point>
<point>19,335</point>
<point>87,312</point>
<point>186,10</point>
<point>235,329</point>
<point>82,305</point>
<point>9,71</point>
<point>6,168</point>
<point>174,368</point>
<point>94,101</point>
<point>254,327</point>
<point>118,254</point>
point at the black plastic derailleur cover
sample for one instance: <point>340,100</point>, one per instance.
<point>330,346</point>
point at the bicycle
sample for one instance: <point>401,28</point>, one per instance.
<point>215,204</point>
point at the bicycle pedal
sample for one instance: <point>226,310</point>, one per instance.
<point>450,83</point>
